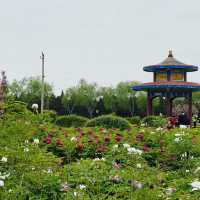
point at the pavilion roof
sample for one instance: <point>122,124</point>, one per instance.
<point>170,63</point>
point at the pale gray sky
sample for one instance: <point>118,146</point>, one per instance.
<point>103,41</point>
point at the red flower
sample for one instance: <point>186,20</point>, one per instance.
<point>79,147</point>
<point>82,134</point>
<point>59,142</point>
<point>101,149</point>
<point>78,129</point>
<point>47,140</point>
<point>107,139</point>
<point>145,148</point>
<point>118,137</point>
<point>65,133</point>
<point>140,137</point>
<point>90,141</point>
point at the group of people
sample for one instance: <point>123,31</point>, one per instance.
<point>182,120</point>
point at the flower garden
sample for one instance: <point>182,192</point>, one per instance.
<point>41,160</point>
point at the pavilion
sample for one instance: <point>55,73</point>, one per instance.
<point>169,82</point>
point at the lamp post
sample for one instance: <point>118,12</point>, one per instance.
<point>42,89</point>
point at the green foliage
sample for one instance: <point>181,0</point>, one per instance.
<point>109,121</point>
<point>134,120</point>
<point>71,121</point>
<point>16,107</point>
<point>49,116</point>
<point>154,121</point>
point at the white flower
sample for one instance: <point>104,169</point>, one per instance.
<point>152,132</point>
<point>99,159</point>
<point>75,194</point>
<point>73,139</point>
<point>159,129</point>
<point>126,146</point>
<point>26,142</point>
<point>178,134</point>
<point>82,187</point>
<point>34,106</point>
<point>187,170</point>
<point>195,185</point>
<point>26,149</point>
<point>4,159</point>
<point>64,187</point>
<point>169,191</point>
<point>49,171</point>
<point>138,165</point>
<point>182,126</point>
<point>36,141</point>
<point>178,139</point>
<point>115,146</point>
<point>10,190</point>
<point>133,150</point>
<point>1,183</point>
<point>103,159</point>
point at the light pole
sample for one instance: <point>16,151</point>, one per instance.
<point>42,89</point>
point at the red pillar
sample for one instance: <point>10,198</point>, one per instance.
<point>190,107</point>
<point>149,104</point>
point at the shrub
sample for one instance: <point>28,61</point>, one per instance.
<point>71,121</point>
<point>109,121</point>
<point>16,107</point>
<point>49,116</point>
<point>134,120</point>
<point>154,121</point>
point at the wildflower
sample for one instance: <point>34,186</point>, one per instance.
<point>26,149</point>
<point>118,137</point>
<point>115,179</point>
<point>132,150</point>
<point>182,126</point>
<point>140,137</point>
<point>116,165</point>
<point>82,187</point>
<point>135,184</point>
<point>79,147</point>
<point>126,145</point>
<point>10,190</point>
<point>73,139</point>
<point>178,134</point>
<point>3,177</point>
<point>107,139</point>
<point>177,139</point>
<point>195,185</point>
<point>4,159</point>
<point>59,142</point>
<point>138,165</point>
<point>169,191</point>
<point>101,148</point>
<point>1,183</point>
<point>75,194</point>
<point>36,141</point>
<point>187,170</point>
<point>26,141</point>
<point>49,171</point>
<point>115,146</point>
<point>145,148</point>
<point>47,140</point>
<point>64,187</point>
<point>159,129</point>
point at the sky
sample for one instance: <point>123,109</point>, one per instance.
<point>102,41</point>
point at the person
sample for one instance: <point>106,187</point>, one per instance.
<point>194,120</point>
<point>183,120</point>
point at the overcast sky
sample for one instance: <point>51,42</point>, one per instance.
<point>103,41</point>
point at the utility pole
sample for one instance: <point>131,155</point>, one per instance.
<point>42,89</point>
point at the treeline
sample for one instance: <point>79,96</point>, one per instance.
<point>85,99</point>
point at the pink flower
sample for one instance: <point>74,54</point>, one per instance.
<point>47,140</point>
<point>107,139</point>
<point>140,137</point>
<point>59,142</point>
<point>118,137</point>
<point>145,148</point>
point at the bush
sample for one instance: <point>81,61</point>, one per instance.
<point>109,121</point>
<point>134,120</point>
<point>49,116</point>
<point>154,121</point>
<point>71,121</point>
<point>16,107</point>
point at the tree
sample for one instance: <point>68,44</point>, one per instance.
<point>29,90</point>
